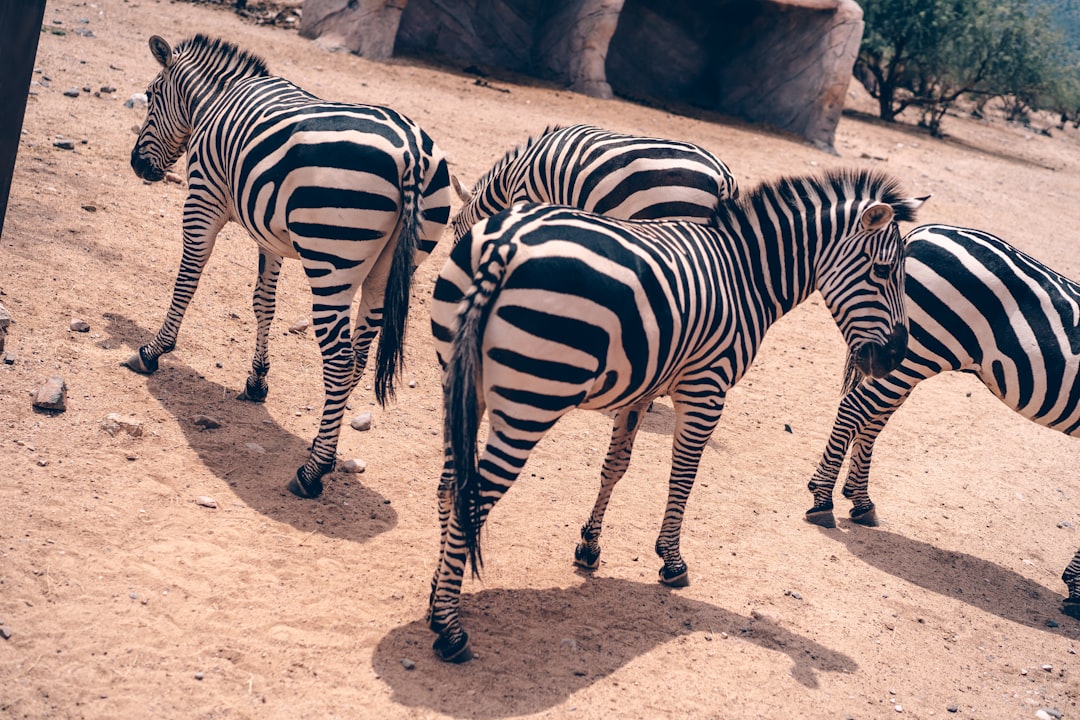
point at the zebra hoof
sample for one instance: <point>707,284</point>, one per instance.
<point>308,491</point>
<point>140,364</point>
<point>585,559</point>
<point>680,578</point>
<point>453,652</point>
<point>1071,607</point>
<point>252,396</point>
<point>822,517</point>
<point>865,516</point>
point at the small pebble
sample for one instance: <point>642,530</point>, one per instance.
<point>72,92</point>
<point>206,422</point>
<point>408,664</point>
<point>354,465</point>
<point>133,595</point>
<point>898,708</point>
<point>412,383</point>
<point>300,326</point>
<point>64,144</point>
<point>172,177</point>
<point>1051,712</point>
<point>954,708</point>
<point>361,422</point>
<point>114,423</point>
<point>206,501</point>
<point>1051,623</point>
<point>9,358</point>
<point>199,676</point>
<point>136,100</point>
<point>255,448</point>
<point>52,394</point>
<point>5,632</point>
<point>78,325</point>
<point>107,89</point>
<point>1048,667</point>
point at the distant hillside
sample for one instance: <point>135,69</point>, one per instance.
<point>1066,15</point>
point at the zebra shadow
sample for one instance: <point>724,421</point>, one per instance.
<point>251,452</point>
<point>536,648</point>
<point>958,575</point>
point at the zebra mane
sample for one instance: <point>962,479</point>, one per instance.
<point>247,64</point>
<point>511,155</point>
<point>841,183</point>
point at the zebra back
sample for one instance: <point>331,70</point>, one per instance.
<point>586,167</point>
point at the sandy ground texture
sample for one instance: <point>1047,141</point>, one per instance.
<point>122,597</point>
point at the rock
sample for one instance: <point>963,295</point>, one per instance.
<point>9,357</point>
<point>255,448</point>
<point>206,422</point>
<point>64,144</point>
<point>107,89</point>
<point>114,423</point>
<point>365,27</point>
<point>355,466</point>
<point>206,501</point>
<point>300,326</point>
<point>52,395</point>
<point>412,383</point>
<point>89,208</point>
<point>78,325</point>
<point>5,632</point>
<point>172,177</point>
<point>199,676</point>
<point>1051,623</point>
<point>408,664</point>
<point>138,100</point>
<point>1047,667</point>
<point>361,422</point>
<point>72,92</point>
<point>1051,712</point>
<point>954,708</point>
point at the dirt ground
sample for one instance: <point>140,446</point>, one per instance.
<point>121,597</point>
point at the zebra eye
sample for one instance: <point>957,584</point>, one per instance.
<point>882,270</point>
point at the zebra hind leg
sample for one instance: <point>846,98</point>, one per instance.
<point>623,432</point>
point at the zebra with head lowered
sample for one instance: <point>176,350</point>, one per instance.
<point>358,193</point>
<point>621,176</point>
<point>979,305</point>
<point>542,309</point>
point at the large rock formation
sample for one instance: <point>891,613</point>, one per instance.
<point>785,63</point>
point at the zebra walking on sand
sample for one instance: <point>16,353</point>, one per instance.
<point>621,176</point>
<point>358,193</point>
<point>979,305</point>
<point>542,309</point>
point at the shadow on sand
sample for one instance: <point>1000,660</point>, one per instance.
<point>536,648</point>
<point>957,575</point>
<point>346,510</point>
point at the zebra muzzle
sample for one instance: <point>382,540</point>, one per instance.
<point>880,359</point>
<point>144,168</point>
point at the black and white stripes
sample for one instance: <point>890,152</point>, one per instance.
<point>586,167</point>
<point>979,305</point>
<point>542,309</point>
<point>358,193</point>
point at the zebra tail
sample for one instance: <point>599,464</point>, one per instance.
<point>390,359</point>
<point>852,375</point>
<point>462,410</point>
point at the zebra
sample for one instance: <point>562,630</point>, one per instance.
<point>978,305</point>
<point>358,193</point>
<point>541,309</point>
<point>621,176</point>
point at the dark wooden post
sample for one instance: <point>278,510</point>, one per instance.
<point>20,26</point>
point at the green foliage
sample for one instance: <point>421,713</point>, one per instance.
<point>929,53</point>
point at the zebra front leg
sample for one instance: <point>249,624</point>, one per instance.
<point>623,432</point>
<point>694,425</point>
<point>198,244</point>
<point>264,303</point>
<point>856,486</point>
<point>1071,577</point>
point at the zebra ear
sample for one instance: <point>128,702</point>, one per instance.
<point>877,216</point>
<point>160,49</point>
<point>462,193</point>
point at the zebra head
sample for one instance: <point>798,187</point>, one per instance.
<point>192,74</point>
<point>863,285</point>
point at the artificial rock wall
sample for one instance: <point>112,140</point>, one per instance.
<point>784,63</point>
